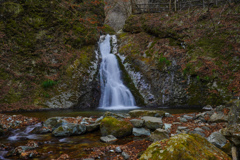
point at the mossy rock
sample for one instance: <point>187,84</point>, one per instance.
<point>115,127</point>
<point>140,113</point>
<point>183,147</point>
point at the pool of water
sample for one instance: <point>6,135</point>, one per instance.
<point>43,115</point>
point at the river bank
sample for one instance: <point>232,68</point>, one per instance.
<point>48,141</point>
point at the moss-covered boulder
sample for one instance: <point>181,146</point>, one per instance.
<point>184,146</point>
<point>115,127</point>
<point>140,113</point>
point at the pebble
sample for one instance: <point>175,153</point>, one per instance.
<point>118,150</point>
<point>125,155</point>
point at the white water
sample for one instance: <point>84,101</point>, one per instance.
<point>25,134</point>
<point>114,94</point>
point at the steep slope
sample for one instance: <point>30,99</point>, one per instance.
<point>47,53</point>
<point>186,58</point>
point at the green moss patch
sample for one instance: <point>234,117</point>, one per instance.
<point>182,147</point>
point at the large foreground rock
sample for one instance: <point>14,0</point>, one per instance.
<point>69,129</point>
<point>115,127</point>
<point>140,113</point>
<point>152,122</point>
<point>182,147</point>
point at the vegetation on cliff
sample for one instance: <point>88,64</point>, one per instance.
<point>204,43</point>
<point>41,43</point>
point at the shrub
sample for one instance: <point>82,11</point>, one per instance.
<point>48,83</point>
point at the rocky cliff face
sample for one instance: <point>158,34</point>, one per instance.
<point>48,54</point>
<point>177,61</point>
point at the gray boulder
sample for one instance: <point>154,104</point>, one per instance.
<point>69,129</point>
<point>141,132</point>
<point>125,155</point>
<point>218,117</point>
<point>159,134</point>
<point>199,131</point>
<point>152,122</point>
<point>182,129</point>
<point>108,138</point>
<point>207,107</point>
<point>138,123</point>
<point>217,139</point>
<point>167,127</point>
<point>54,122</point>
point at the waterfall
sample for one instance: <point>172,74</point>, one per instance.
<point>114,94</point>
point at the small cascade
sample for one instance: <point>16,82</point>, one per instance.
<point>25,134</point>
<point>114,94</point>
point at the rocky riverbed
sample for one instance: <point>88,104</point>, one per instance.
<point>134,135</point>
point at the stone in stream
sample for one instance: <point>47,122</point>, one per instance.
<point>118,150</point>
<point>140,113</point>
<point>115,127</point>
<point>69,129</point>
<point>159,134</point>
<point>141,132</point>
<point>152,122</point>
<point>207,107</point>
<point>185,146</point>
<point>138,123</point>
<point>108,138</point>
<point>54,122</point>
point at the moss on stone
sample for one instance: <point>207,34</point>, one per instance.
<point>115,127</point>
<point>184,147</point>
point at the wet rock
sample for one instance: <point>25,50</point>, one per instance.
<point>207,107</point>
<point>138,123</point>
<point>167,115</point>
<point>187,117</point>
<point>140,113</point>
<point>199,131</point>
<point>186,146</point>
<point>141,132</point>
<point>167,127</point>
<point>182,129</point>
<point>218,117</point>
<point>217,139</point>
<point>54,122</point>
<point>125,155</point>
<point>152,122</point>
<point>159,134</point>
<point>115,127</point>
<point>183,120</point>
<point>118,150</point>
<point>99,119</point>
<point>41,130</point>
<point>109,138</point>
<point>93,127</point>
<point>69,129</point>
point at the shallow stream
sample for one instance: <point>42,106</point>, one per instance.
<point>52,147</point>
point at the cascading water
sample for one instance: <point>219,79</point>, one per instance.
<point>114,94</point>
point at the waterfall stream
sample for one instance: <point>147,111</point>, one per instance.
<point>114,94</point>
